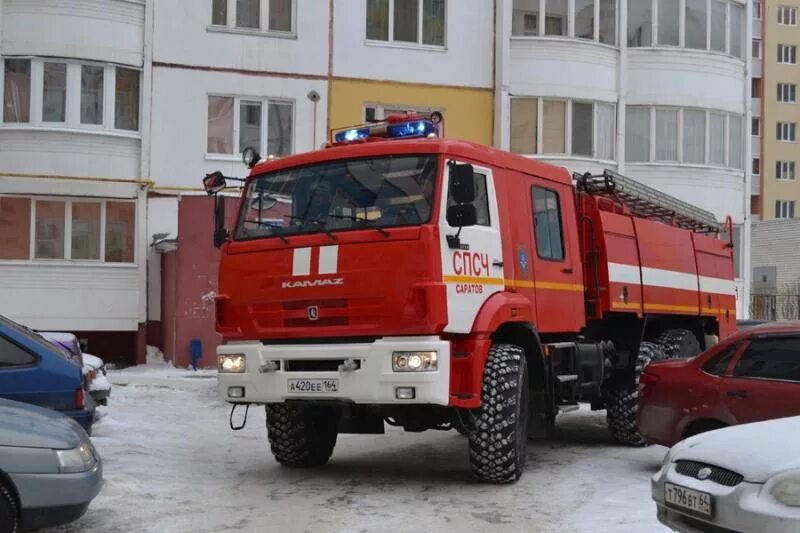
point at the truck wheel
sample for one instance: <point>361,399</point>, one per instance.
<point>9,517</point>
<point>622,401</point>
<point>302,435</point>
<point>678,344</point>
<point>498,445</point>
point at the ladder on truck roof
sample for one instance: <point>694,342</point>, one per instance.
<point>647,202</point>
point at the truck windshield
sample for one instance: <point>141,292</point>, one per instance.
<point>339,195</point>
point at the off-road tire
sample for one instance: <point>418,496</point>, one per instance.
<point>622,401</point>
<point>9,514</point>
<point>678,344</point>
<point>498,445</point>
<point>302,435</point>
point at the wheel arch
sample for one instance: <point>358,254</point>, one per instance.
<point>5,480</point>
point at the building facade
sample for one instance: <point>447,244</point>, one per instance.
<point>777,191</point>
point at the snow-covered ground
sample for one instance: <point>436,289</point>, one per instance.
<point>173,465</point>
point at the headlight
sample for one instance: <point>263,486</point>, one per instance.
<point>234,363</point>
<point>78,459</point>
<point>787,491</point>
<point>414,361</point>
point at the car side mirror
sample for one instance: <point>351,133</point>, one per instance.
<point>220,232</point>
<point>462,183</point>
<point>214,182</point>
<point>462,215</point>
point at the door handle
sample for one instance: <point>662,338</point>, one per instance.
<point>567,270</point>
<point>738,393</point>
<point>498,263</point>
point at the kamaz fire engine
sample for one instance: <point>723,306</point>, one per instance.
<point>397,277</point>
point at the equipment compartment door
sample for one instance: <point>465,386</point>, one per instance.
<point>474,271</point>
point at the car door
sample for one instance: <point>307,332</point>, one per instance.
<point>764,381</point>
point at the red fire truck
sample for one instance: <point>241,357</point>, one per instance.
<point>399,277</point>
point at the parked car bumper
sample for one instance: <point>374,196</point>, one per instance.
<point>742,508</point>
<point>100,396</point>
<point>53,499</point>
<point>84,417</point>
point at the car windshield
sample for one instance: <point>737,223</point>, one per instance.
<point>339,195</point>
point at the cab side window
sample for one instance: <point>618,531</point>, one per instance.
<point>12,355</point>
<point>481,202</point>
<point>547,224</point>
<point>717,365</point>
<point>776,358</point>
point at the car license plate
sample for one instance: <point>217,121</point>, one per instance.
<point>688,499</point>
<point>313,386</point>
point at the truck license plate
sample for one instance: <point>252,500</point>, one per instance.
<point>313,386</point>
<point>688,499</point>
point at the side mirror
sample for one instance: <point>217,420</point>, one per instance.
<point>462,215</point>
<point>220,233</point>
<point>462,183</point>
<point>214,182</point>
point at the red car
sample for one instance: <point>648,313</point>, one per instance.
<point>752,375</point>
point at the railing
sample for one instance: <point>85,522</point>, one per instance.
<point>775,306</point>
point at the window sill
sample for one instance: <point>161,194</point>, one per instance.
<point>406,46</point>
<point>65,129</point>
<point>224,158</point>
<point>702,166</point>
<point>562,38</point>
<point>786,142</point>
<point>665,48</point>
<point>253,32</point>
<point>63,263</point>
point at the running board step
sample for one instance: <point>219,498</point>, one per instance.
<point>566,378</point>
<point>568,408</point>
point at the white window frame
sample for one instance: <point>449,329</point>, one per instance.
<point>787,15</point>
<point>72,112</point>
<point>756,48</point>
<point>787,132</point>
<point>420,23</point>
<point>265,101</point>
<point>785,209</point>
<point>787,54</point>
<point>787,93</point>
<point>263,23</point>
<point>541,24</point>
<point>755,120</point>
<point>757,9</point>
<point>67,259</point>
<point>753,166</point>
<point>785,170</point>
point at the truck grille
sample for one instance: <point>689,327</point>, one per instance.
<point>315,365</point>
<point>718,475</point>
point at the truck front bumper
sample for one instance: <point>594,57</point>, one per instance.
<point>374,382</point>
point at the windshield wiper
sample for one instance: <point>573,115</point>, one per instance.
<point>317,222</point>
<point>277,227</point>
<point>373,224</point>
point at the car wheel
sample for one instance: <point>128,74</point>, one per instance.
<point>498,445</point>
<point>678,344</point>
<point>302,435</point>
<point>622,400</point>
<point>9,514</point>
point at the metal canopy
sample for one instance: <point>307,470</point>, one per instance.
<point>647,202</point>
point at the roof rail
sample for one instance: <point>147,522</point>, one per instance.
<point>647,202</point>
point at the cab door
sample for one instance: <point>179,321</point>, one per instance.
<point>473,269</point>
<point>556,263</point>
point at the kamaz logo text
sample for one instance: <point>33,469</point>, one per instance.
<point>330,282</point>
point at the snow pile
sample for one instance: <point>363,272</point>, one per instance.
<point>155,357</point>
<point>100,383</point>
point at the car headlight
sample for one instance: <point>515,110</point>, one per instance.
<point>232,363</point>
<point>414,361</point>
<point>78,459</point>
<point>786,489</point>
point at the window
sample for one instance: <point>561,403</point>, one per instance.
<point>126,103</point>
<point>17,90</point>
<point>784,208</point>
<point>86,230</point>
<point>407,21</point>
<point>525,18</point>
<point>12,355</point>
<point>718,16</point>
<point>582,129</point>
<point>755,88</point>
<point>669,22</point>
<point>606,131</point>
<point>120,232</point>
<point>584,19</point>
<point>696,16</point>
<point>481,201</point>
<point>694,136</point>
<point>547,224</point>
<point>716,134</point>
<point>787,15</point>
<point>219,12</point>
<point>756,166</point>
<point>554,127</point>
<point>280,15</point>
<point>784,170</point>
<point>738,33</point>
<point>608,22</point>
<point>378,112</point>
<point>787,54</point>
<point>717,365</point>
<point>91,94</point>
<point>15,227</point>
<point>786,131</point>
<point>250,15</point>
<point>640,23</point>
<point>787,93</point>
<point>232,118</point>
<point>50,229</point>
<point>757,9</point>
<point>736,124</point>
<point>524,113</point>
<point>637,137</point>
<point>756,48</point>
<point>666,135</point>
<point>770,358</point>
<point>755,127</point>
<point>54,94</point>
<point>556,22</point>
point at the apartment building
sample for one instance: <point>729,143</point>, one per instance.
<point>776,191</point>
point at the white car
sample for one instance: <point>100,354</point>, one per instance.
<point>743,478</point>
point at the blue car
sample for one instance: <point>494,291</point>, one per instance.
<point>34,371</point>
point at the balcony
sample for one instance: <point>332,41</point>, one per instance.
<point>755,145</point>
<point>756,107</point>
<point>755,185</point>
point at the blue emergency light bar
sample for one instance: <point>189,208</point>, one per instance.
<point>396,130</point>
